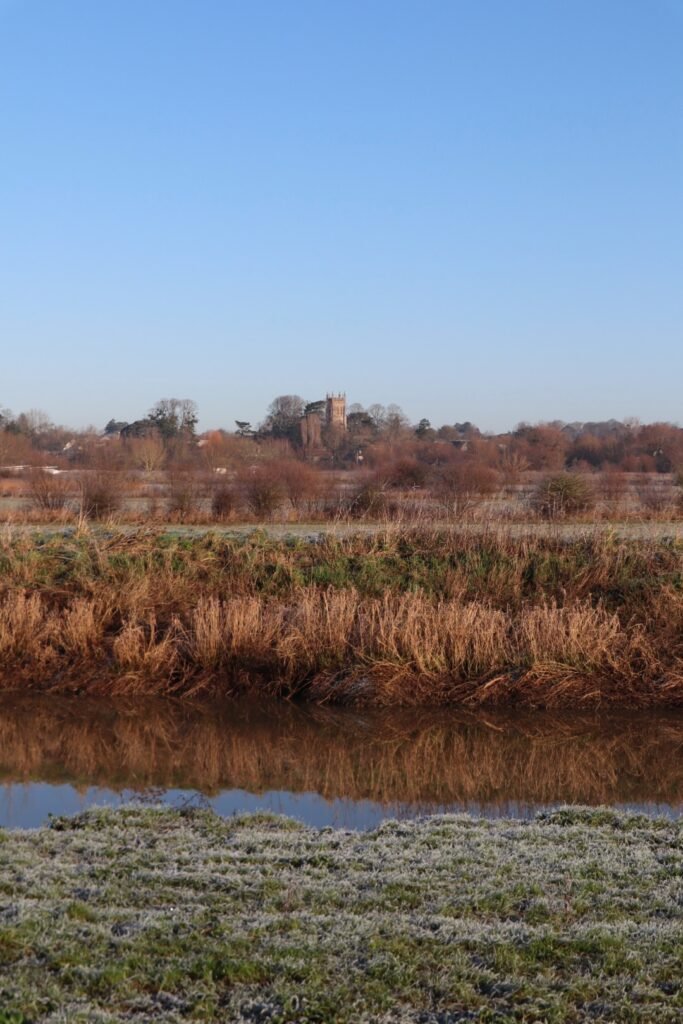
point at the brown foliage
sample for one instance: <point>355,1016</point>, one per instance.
<point>185,490</point>
<point>49,492</point>
<point>223,500</point>
<point>407,472</point>
<point>262,489</point>
<point>100,493</point>
<point>301,484</point>
<point>466,479</point>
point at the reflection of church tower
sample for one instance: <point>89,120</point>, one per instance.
<point>335,411</point>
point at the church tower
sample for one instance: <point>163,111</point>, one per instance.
<point>335,411</point>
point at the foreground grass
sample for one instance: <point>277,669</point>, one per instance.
<point>405,617</point>
<point>143,915</point>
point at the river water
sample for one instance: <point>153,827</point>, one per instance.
<point>346,768</point>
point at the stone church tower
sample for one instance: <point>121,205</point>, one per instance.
<point>335,411</point>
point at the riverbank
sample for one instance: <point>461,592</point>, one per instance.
<point>142,914</point>
<point>401,617</point>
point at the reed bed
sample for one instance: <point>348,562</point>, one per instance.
<point>399,618</point>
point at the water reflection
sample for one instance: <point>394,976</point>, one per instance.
<point>327,766</point>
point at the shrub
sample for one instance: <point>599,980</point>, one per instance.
<point>183,495</point>
<point>99,494</point>
<point>369,501</point>
<point>300,483</point>
<point>49,492</point>
<point>466,480</point>
<point>223,501</point>
<point>262,489</point>
<point>407,473</point>
<point>563,494</point>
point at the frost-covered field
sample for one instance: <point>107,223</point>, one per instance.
<point>146,915</point>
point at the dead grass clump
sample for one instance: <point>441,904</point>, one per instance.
<point>23,627</point>
<point>401,616</point>
<point>81,630</point>
<point>144,653</point>
<point>335,645</point>
<point>577,641</point>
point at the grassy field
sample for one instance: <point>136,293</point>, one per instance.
<point>400,617</point>
<point>144,915</point>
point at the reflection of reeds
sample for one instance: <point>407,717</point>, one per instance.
<point>402,619</point>
<point>418,757</point>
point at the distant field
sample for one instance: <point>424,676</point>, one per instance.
<point>644,530</point>
<point>145,915</point>
<point>293,492</point>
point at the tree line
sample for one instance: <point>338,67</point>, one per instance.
<point>374,435</point>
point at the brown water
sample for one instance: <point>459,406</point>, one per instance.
<point>329,767</point>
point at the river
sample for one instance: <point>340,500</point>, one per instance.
<point>324,766</point>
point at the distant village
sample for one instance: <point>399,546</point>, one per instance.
<point>331,432</point>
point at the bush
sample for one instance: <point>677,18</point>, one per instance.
<point>262,489</point>
<point>301,484</point>
<point>100,496</point>
<point>223,501</point>
<point>563,494</point>
<point>466,480</point>
<point>407,473</point>
<point>49,492</point>
<point>183,495</point>
<point>369,501</point>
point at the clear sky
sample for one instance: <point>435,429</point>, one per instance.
<point>473,208</point>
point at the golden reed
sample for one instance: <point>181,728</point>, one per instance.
<point>402,617</point>
<point>335,645</point>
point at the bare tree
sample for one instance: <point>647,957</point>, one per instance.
<point>147,452</point>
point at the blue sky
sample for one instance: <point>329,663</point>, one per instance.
<point>471,208</point>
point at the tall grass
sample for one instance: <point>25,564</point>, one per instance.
<point>405,617</point>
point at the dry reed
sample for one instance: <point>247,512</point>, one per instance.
<point>338,646</point>
<point>404,618</point>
